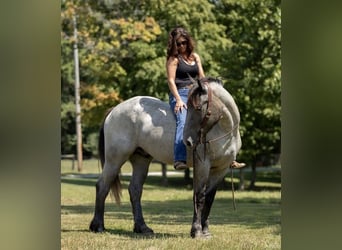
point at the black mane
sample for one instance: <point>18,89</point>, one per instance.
<point>195,92</point>
<point>211,79</point>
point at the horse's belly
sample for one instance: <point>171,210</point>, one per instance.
<point>147,123</point>
<point>159,146</point>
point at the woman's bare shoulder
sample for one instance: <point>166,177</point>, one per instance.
<point>172,60</point>
<point>197,57</point>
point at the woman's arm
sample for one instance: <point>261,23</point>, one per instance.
<point>200,68</point>
<point>171,67</point>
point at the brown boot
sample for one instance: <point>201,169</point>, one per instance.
<point>180,165</point>
<point>236,164</point>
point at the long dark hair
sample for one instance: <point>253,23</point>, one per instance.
<point>174,35</point>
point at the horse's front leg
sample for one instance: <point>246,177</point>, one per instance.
<point>201,173</point>
<point>135,188</point>
<point>198,203</point>
<point>209,199</point>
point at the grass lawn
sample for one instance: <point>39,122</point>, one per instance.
<point>168,211</point>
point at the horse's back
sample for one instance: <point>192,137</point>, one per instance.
<point>141,122</point>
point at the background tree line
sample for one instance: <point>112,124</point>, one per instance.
<point>122,53</point>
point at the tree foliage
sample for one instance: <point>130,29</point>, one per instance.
<point>122,53</point>
<point>253,71</point>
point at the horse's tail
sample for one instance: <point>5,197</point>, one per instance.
<point>116,184</point>
<point>100,147</point>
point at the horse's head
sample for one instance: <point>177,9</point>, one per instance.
<point>204,111</point>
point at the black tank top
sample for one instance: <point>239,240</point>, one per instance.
<point>183,69</point>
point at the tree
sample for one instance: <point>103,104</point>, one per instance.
<point>106,46</point>
<point>254,72</point>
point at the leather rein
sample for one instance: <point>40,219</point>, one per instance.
<point>202,135</point>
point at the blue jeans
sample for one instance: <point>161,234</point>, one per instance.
<point>179,147</point>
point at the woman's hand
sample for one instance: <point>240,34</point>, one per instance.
<point>179,106</point>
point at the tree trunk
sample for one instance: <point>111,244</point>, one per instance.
<point>187,175</point>
<point>253,177</point>
<point>164,177</point>
<point>242,180</point>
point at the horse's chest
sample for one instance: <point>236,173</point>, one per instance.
<point>222,152</point>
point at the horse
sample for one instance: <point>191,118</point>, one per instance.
<point>142,128</point>
<point>212,134</point>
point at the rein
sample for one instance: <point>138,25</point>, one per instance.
<point>208,113</point>
<point>202,135</point>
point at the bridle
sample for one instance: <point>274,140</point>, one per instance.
<point>202,134</point>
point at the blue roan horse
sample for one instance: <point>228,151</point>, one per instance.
<point>142,128</point>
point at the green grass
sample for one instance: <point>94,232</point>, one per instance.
<point>168,211</point>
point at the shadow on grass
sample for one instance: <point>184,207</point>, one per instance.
<point>77,209</point>
<point>126,233</point>
<point>80,181</point>
<point>175,182</point>
<point>151,182</point>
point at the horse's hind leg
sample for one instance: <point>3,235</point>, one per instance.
<point>103,184</point>
<point>140,165</point>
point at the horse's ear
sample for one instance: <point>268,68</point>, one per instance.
<point>201,84</point>
<point>191,79</point>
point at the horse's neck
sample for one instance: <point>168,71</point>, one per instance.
<point>226,109</point>
<point>230,112</point>
<point>225,123</point>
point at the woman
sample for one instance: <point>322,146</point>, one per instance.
<point>182,62</point>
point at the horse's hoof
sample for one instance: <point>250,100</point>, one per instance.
<point>142,229</point>
<point>196,234</point>
<point>200,235</point>
<point>206,233</point>
<point>96,227</point>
